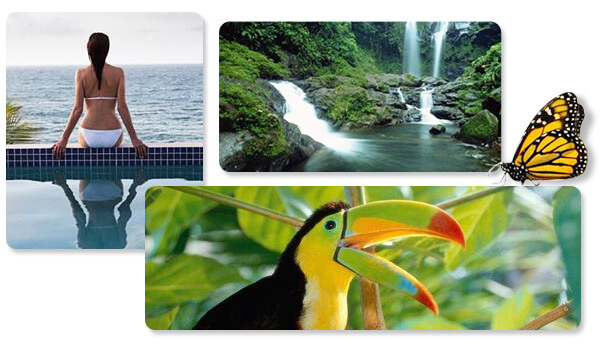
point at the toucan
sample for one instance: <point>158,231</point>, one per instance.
<point>308,289</point>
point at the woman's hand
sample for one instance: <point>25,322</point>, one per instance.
<point>59,148</point>
<point>140,147</point>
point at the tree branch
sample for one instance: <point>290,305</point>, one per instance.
<point>373,317</point>
<point>470,197</point>
<point>233,202</point>
<point>549,317</point>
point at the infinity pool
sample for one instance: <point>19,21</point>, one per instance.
<point>97,212</point>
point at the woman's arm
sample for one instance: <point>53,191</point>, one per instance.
<point>126,117</point>
<point>60,146</point>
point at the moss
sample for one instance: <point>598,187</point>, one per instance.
<point>243,104</point>
<point>239,62</point>
<point>485,76</point>
<point>482,128</point>
<point>351,105</point>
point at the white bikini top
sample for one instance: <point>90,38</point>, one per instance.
<point>102,98</point>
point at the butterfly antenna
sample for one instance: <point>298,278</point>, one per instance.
<point>494,168</point>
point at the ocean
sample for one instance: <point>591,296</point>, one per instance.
<point>165,101</point>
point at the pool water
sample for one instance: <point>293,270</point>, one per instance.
<point>71,214</point>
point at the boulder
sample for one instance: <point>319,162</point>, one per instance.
<point>493,102</point>
<point>480,129</point>
<point>437,129</point>
<point>433,81</point>
<point>412,115</point>
<point>301,146</point>
<point>231,146</point>
<point>447,112</point>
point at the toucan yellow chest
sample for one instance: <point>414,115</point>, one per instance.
<point>324,306</point>
<point>326,289</point>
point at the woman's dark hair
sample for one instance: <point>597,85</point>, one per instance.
<point>98,48</point>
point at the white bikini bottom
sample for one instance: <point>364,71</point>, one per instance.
<point>101,138</point>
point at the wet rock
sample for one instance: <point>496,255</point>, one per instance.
<point>432,81</point>
<point>234,156</point>
<point>493,102</point>
<point>231,154</point>
<point>301,146</point>
<point>412,115</point>
<point>437,129</point>
<point>446,112</point>
<point>381,82</point>
<point>480,129</point>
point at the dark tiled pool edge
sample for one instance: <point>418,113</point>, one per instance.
<point>158,155</point>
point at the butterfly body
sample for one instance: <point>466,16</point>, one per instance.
<point>551,147</point>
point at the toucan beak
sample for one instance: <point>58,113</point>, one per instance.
<point>384,221</point>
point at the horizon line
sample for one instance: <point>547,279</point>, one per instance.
<point>113,64</point>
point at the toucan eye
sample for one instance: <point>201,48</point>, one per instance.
<point>330,224</point>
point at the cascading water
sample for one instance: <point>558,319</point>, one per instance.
<point>438,39</point>
<point>411,59</point>
<point>399,93</point>
<point>425,105</point>
<point>300,112</point>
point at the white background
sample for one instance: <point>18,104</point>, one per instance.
<point>96,296</point>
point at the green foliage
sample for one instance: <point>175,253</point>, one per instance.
<point>514,312</point>
<point>430,322</point>
<point>306,47</point>
<point>566,220</point>
<point>243,101</point>
<point>236,61</point>
<point>484,77</point>
<point>185,278</point>
<point>383,41</point>
<point>351,105</point>
<point>508,274</point>
<point>482,221</point>
<point>272,234</point>
<point>162,320</point>
<point>167,212</point>
<point>18,128</point>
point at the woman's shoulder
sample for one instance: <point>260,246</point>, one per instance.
<point>113,68</point>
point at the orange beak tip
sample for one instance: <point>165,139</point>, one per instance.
<point>448,227</point>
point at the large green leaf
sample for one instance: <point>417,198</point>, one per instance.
<point>186,278</point>
<point>566,219</point>
<point>482,221</point>
<point>171,214</point>
<point>152,194</point>
<point>163,320</point>
<point>514,312</point>
<point>272,234</point>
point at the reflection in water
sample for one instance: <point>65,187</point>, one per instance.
<point>101,229</point>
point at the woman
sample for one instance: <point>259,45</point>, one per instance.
<point>102,87</point>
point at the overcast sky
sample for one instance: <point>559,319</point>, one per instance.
<point>136,38</point>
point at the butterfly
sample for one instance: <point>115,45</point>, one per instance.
<point>551,147</point>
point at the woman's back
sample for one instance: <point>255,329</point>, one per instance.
<point>100,103</point>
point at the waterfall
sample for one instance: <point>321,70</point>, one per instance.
<point>300,112</point>
<point>400,95</point>
<point>438,38</point>
<point>425,104</point>
<point>411,59</point>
